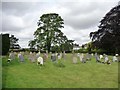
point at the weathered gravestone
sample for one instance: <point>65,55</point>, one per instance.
<point>20,56</point>
<point>88,57</point>
<point>115,59</point>
<point>45,57</point>
<point>74,59</point>
<point>59,56</point>
<point>53,57</point>
<point>106,59</point>
<point>97,58</point>
<point>32,57</point>
<point>12,56</point>
<point>82,58</point>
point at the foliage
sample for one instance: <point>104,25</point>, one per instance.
<point>108,35</point>
<point>14,42</point>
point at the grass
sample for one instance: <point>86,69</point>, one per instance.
<point>88,75</point>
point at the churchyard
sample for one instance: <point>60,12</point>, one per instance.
<point>65,73</point>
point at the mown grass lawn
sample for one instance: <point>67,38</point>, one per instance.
<point>88,75</point>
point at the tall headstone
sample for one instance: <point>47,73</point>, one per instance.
<point>74,59</point>
<point>97,57</point>
<point>83,59</point>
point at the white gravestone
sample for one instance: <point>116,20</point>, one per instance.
<point>40,61</point>
<point>106,59</point>
<point>115,59</point>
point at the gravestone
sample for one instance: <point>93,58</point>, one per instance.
<point>115,59</point>
<point>101,57</point>
<point>21,58</point>
<point>59,56</point>
<point>97,58</point>
<point>45,57</point>
<point>74,59</point>
<point>32,57</point>
<point>83,59</point>
<point>106,59</point>
<point>12,56</point>
<point>88,56</point>
<point>9,60</point>
<point>40,61</point>
<point>53,57</point>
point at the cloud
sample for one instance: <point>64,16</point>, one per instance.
<point>12,23</point>
<point>80,17</point>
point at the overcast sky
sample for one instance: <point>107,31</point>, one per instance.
<point>20,17</point>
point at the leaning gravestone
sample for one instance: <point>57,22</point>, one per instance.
<point>21,58</point>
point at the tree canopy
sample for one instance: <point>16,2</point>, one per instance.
<point>108,35</point>
<point>48,35</point>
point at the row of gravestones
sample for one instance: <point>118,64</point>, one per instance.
<point>57,56</point>
<point>99,58</point>
<point>33,57</point>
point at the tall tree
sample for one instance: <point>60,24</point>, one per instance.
<point>108,35</point>
<point>14,42</point>
<point>48,33</point>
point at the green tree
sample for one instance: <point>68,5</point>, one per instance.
<point>48,35</point>
<point>108,35</point>
<point>14,42</point>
